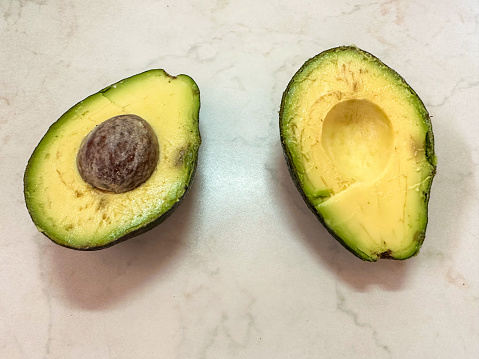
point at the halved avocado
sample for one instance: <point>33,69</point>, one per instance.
<point>359,145</point>
<point>77,213</point>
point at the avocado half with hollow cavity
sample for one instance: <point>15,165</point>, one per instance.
<point>116,164</point>
<point>359,145</point>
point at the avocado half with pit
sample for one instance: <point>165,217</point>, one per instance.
<point>359,145</point>
<point>116,164</point>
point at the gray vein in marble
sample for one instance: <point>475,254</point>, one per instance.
<point>6,100</point>
<point>19,346</point>
<point>222,328</point>
<point>212,12</point>
<point>45,280</point>
<point>459,86</point>
<point>203,51</point>
<point>190,295</point>
<point>257,50</point>
<point>228,317</point>
<point>250,322</point>
<point>342,307</point>
<point>13,10</point>
<point>204,351</point>
<point>220,5</point>
<point>355,8</point>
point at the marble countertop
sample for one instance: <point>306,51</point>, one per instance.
<point>242,269</point>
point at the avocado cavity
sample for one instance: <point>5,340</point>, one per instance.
<point>359,145</point>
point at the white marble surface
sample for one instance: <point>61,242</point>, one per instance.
<point>242,269</point>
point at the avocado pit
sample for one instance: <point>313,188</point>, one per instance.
<point>119,154</point>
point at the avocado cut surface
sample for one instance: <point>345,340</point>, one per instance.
<point>360,148</point>
<point>76,214</point>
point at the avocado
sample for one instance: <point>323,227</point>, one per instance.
<point>359,146</point>
<point>117,163</point>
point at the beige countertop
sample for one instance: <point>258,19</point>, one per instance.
<point>242,269</point>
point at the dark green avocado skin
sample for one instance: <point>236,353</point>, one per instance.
<point>141,230</point>
<point>430,154</point>
<point>297,184</point>
<point>191,160</point>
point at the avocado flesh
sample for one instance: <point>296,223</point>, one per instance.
<point>73,213</point>
<point>359,145</point>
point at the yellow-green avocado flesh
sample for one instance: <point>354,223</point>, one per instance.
<point>77,215</point>
<point>359,145</point>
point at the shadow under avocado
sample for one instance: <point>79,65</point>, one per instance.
<point>452,195</point>
<point>100,279</point>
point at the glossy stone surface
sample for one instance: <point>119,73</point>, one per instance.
<point>242,269</point>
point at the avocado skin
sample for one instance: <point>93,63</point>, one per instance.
<point>430,154</point>
<point>137,232</point>
<point>193,161</point>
